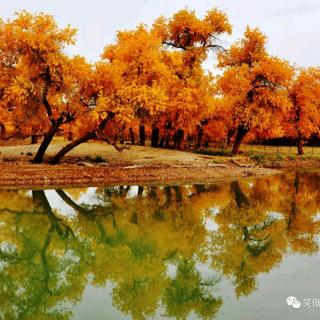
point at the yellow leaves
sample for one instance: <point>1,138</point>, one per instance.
<point>274,69</point>
<point>18,92</point>
<point>35,69</point>
<point>195,36</point>
<point>235,81</point>
<point>160,28</point>
<point>137,49</point>
<point>304,92</point>
<point>246,51</point>
<point>255,83</point>
<point>151,98</point>
<point>154,75</point>
<point>40,31</point>
<point>185,29</point>
<point>102,104</point>
<point>217,22</point>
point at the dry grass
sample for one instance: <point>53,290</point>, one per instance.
<point>256,150</point>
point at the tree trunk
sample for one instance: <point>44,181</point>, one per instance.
<point>162,141</point>
<point>178,192</point>
<point>179,139</point>
<point>241,132</point>
<point>72,145</point>
<point>142,135</point>
<point>70,135</point>
<point>200,135</point>
<point>85,138</point>
<point>140,191</point>
<point>2,130</point>
<point>155,137</point>
<point>190,140</point>
<point>229,136</point>
<point>168,202</point>
<point>300,146</point>
<point>121,134</point>
<point>131,136</point>
<point>240,197</point>
<point>168,126</point>
<point>34,139</point>
<point>167,140</point>
<point>47,140</point>
<point>294,207</point>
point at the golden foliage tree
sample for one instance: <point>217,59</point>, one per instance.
<point>40,81</point>
<point>253,85</point>
<point>304,119</point>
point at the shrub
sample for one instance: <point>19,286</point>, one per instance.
<point>97,159</point>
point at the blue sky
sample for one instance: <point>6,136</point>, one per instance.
<point>292,26</point>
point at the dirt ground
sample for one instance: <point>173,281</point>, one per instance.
<point>97,163</point>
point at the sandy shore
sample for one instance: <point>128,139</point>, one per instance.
<point>135,165</point>
<point>33,176</point>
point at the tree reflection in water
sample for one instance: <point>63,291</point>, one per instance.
<point>133,236</point>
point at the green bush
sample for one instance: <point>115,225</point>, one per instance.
<point>221,153</point>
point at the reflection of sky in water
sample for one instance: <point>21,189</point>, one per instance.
<point>57,203</point>
<point>133,192</point>
<point>210,224</point>
<point>297,275</point>
<point>89,197</point>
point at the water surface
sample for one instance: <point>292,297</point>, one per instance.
<point>219,251</point>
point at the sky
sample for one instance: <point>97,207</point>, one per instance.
<point>292,26</point>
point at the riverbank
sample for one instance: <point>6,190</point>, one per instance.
<point>96,164</point>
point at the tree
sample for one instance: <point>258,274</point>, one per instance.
<point>127,84</point>
<point>138,58</point>
<point>188,40</point>
<point>253,85</point>
<point>96,96</point>
<point>39,88</point>
<point>304,119</point>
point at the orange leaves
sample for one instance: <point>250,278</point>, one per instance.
<point>304,93</point>
<point>217,22</point>
<point>254,83</point>
<point>37,76</point>
<point>40,31</point>
<point>137,53</point>
<point>248,50</point>
<point>189,89</point>
<point>155,76</point>
<point>139,76</point>
<point>185,30</point>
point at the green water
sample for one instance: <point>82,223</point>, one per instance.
<point>220,251</point>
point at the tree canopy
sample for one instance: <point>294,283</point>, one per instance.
<point>151,81</point>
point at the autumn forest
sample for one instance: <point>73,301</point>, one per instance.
<point>152,83</point>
